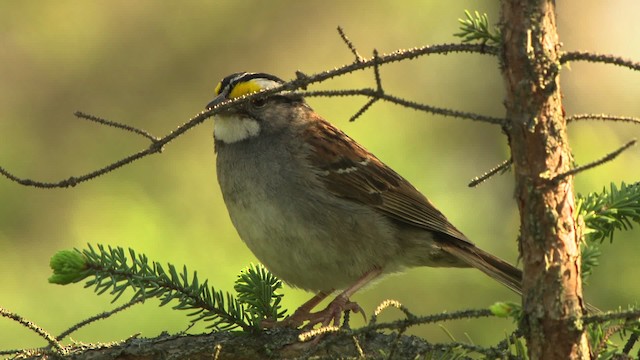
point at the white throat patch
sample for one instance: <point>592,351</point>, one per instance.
<point>230,129</point>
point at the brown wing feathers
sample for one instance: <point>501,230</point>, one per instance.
<point>354,173</point>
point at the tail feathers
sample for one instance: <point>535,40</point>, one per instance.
<point>498,269</point>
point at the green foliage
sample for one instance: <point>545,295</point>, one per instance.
<point>476,28</point>
<point>115,271</point>
<point>600,334</point>
<point>507,309</point>
<point>602,214</point>
<point>605,212</point>
<point>517,347</point>
<point>68,266</point>
<point>256,288</point>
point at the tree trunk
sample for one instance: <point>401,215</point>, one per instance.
<point>549,240</point>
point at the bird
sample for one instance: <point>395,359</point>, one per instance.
<point>321,212</point>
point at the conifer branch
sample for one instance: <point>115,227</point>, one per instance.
<point>113,271</point>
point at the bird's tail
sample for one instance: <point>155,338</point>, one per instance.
<point>498,269</point>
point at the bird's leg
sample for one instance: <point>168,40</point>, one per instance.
<point>341,303</point>
<point>333,312</point>
<point>301,314</point>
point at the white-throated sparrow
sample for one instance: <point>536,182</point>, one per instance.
<point>320,211</point>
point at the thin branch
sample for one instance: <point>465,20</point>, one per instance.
<point>633,339</point>
<point>350,45</point>
<point>388,304</point>
<point>607,333</point>
<point>603,117</point>
<point>363,109</point>
<point>410,320</point>
<point>395,56</point>
<point>504,344</point>
<point>407,103</point>
<point>444,111</point>
<point>417,320</point>
<point>33,327</point>
<point>379,90</point>
<point>396,304</point>
<point>73,180</point>
<point>601,58</point>
<point>97,317</point>
<point>632,314</point>
<point>300,82</point>
<point>501,168</point>
<point>114,124</point>
<point>376,70</point>
<point>610,156</point>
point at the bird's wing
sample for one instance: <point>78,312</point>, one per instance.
<point>350,171</point>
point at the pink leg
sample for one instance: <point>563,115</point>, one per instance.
<point>333,312</point>
<point>301,314</point>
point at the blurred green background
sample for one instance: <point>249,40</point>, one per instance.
<point>154,64</point>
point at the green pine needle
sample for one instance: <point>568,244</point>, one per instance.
<point>113,271</point>
<point>69,266</point>
<point>257,290</point>
<point>603,213</point>
<point>476,28</point>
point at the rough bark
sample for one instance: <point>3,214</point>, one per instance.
<point>275,344</point>
<point>549,240</point>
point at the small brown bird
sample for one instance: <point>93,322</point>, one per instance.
<point>320,211</point>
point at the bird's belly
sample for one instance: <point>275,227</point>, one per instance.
<point>316,244</point>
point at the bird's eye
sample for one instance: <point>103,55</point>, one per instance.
<point>258,103</point>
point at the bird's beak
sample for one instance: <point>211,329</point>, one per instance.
<point>217,100</point>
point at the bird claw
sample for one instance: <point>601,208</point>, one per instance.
<point>331,314</point>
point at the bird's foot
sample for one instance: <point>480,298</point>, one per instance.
<point>331,314</point>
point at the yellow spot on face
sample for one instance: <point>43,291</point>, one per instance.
<point>245,88</point>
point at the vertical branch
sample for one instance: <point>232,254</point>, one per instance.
<point>552,291</point>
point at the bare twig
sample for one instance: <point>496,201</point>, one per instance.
<point>379,89</point>
<point>601,58</point>
<point>443,111</point>
<point>117,125</point>
<point>416,320</point>
<point>376,70</point>
<point>603,117</point>
<point>395,56</point>
<point>502,167</point>
<point>407,103</point>
<point>610,156</point>
<point>504,344</point>
<point>606,336</point>
<point>97,317</point>
<point>35,328</point>
<point>364,108</point>
<point>633,339</point>
<point>308,335</point>
<point>350,45</point>
<point>300,82</point>
<point>632,314</point>
<point>388,304</point>
<point>402,325</point>
<point>396,304</point>
<point>73,181</point>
